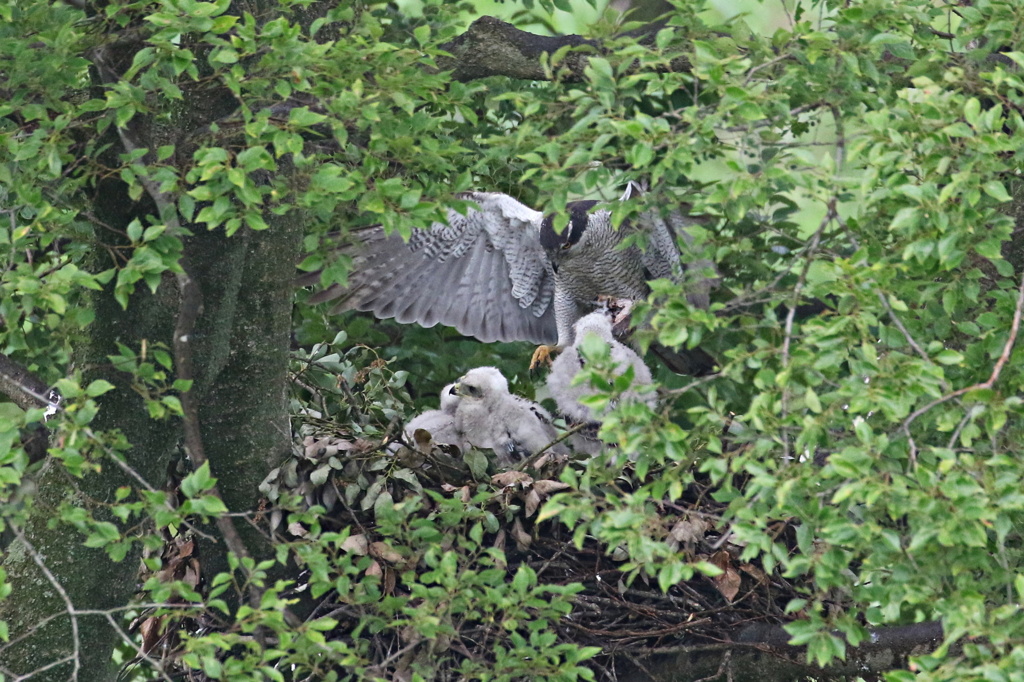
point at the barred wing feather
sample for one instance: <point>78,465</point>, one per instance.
<point>483,273</point>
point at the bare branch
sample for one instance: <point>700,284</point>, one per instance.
<point>24,388</point>
<point>491,47</point>
<point>984,385</point>
<point>751,646</point>
<point>787,340</point>
<point>75,656</point>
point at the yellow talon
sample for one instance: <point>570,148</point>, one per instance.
<point>542,356</point>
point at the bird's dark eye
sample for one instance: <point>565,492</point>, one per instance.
<point>566,246</point>
<point>473,390</point>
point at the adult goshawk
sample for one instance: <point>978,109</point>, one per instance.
<point>501,272</point>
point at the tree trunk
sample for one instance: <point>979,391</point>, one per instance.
<point>241,341</point>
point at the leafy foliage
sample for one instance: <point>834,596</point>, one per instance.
<point>865,154</point>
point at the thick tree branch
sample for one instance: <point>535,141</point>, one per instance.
<point>749,656</point>
<point>491,47</point>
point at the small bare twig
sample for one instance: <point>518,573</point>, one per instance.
<point>537,455</point>
<point>899,325</point>
<point>787,340</point>
<point>707,378</point>
<point>75,656</point>
<point>984,385</point>
<point>726,660</point>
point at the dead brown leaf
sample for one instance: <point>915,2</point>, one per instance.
<point>500,540</point>
<point>356,544</point>
<point>507,479</point>
<point>522,538</point>
<point>689,532</point>
<point>728,582</point>
<point>191,576</point>
<point>547,486</point>
<point>532,502</point>
<point>151,629</point>
<point>382,550</point>
<point>754,572</point>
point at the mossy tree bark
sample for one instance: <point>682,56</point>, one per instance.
<point>62,591</point>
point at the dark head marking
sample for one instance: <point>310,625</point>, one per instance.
<point>579,214</point>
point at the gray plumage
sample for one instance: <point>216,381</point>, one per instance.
<point>501,272</point>
<point>440,424</point>
<point>492,418</point>
<point>568,394</point>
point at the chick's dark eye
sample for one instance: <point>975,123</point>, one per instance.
<point>473,390</point>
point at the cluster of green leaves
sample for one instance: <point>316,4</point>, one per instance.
<point>859,155</point>
<point>396,565</point>
<point>349,385</point>
<point>918,497</point>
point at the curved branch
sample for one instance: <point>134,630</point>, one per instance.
<point>492,47</point>
<point>884,649</point>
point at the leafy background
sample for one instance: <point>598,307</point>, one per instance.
<point>858,155</point>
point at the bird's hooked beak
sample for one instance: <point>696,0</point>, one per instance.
<point>465,390</point>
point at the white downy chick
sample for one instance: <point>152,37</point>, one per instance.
<point>567,365</point>
<point>491,417</point>
<point>440,424</point>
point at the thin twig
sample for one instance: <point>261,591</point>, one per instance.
<point>787,340</point>
<point>692,385</point>
<point>537,455</point>
<point>25,389</point>
<point>958,429</point>
<point>140,654</point>
<point>49,666</point>
<point>985,385</point>
<point>899,325</point>
<point>68,605</point>
<point>809,252</point>
<point>726,660</point>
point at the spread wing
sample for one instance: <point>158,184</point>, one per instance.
<point>483,273</point>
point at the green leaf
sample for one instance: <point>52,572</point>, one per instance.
<point>198,481</point>
<point>811,398</point>
<point>98,387</point>
<point>134,230</point>
<point>304,118</point>
<point>949,357</point>
<point>996,190</point>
